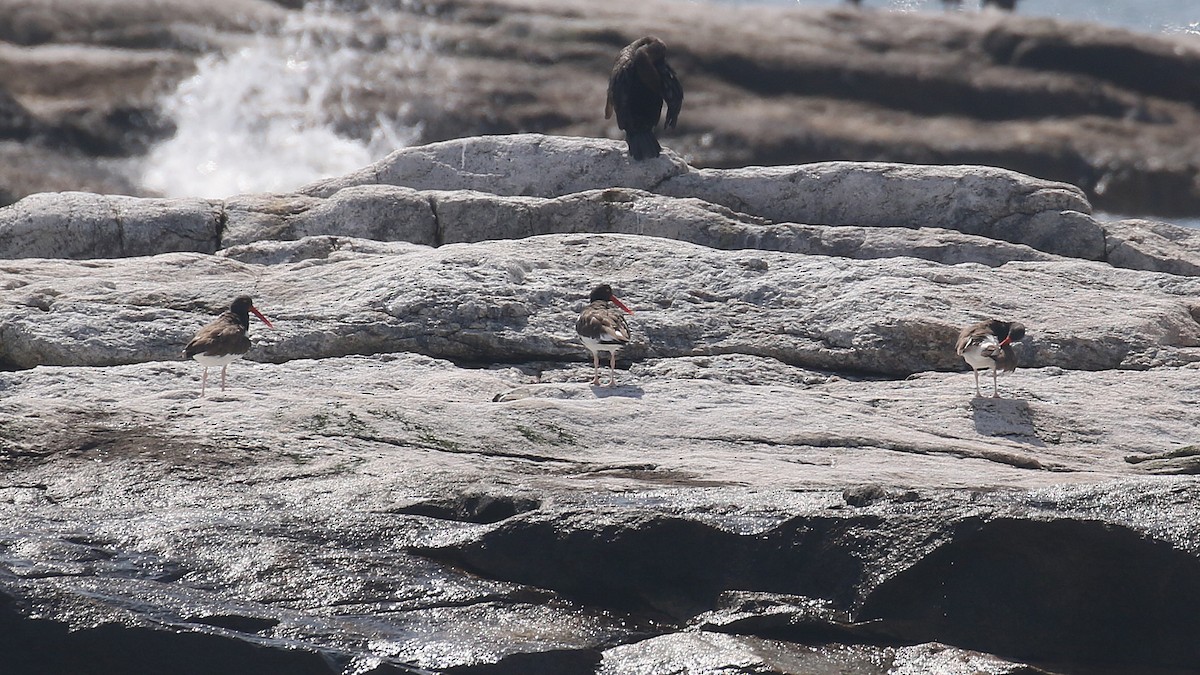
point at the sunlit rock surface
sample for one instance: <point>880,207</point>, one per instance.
<point>412,473</point>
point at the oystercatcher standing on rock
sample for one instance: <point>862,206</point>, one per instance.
<point>224,340</point>
<point>602,328</point>
<point>988,344</point>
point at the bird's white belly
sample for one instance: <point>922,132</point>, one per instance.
<point>597,346</point>
<point>974,355</point>
<point>223,360</point>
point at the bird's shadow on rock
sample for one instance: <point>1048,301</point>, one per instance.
<point>624,390</point>
<point>1009,418</point>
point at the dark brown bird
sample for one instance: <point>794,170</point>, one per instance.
<point>1007,5</point>
<point>640,82</point>
<point>988,344</point>
<point>224,340</point>
<point>602,328</point>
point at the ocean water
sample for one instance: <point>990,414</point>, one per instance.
<point>265,117</point>
<point>1148,16</point>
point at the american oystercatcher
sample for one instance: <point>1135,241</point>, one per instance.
<point>988,344</point>
<point>640,82</point>
<point>224,340</point>
<point>603,329</point>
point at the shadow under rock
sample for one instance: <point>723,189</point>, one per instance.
<point>1008,418</point>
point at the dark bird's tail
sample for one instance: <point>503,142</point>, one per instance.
<point>642,144</point>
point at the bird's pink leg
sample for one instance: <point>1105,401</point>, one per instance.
<point>223,376</point>
<point>595,368</point>
<point>978,393</point>
<point>995,390</point>
<point>612,368</point>
<point>203,381</point>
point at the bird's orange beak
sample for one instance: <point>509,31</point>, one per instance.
<point>1006,341</point>
<point>261,317</point>
<point>620,304</point>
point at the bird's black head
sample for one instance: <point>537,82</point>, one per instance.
<point>656,49</point>
<point>241,305</point>
<point>1012,331</point>
<point>602,292</point>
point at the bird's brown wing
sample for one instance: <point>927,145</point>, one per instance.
<point>603,323</point>
<point>973,334</point>
<point>219,338</point>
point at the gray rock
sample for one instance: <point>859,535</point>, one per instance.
<point>528,164</point>
<point>84,225</point>
<point>517,300</point>
<point>949,215</point>
<point>322,248</point>
<point>1149,245</point>
<point>379,212</point>
<point>994,203</point>
<point>126,23</point>
<point>473,217</point>
<point>74,224</point>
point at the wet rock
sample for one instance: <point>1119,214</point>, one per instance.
<point>47,646</point>
<point>940,658</point>
<point>550,662</point>
<point>473,507</point>
<point>15,120</point>
<point>713,653</point>
<point>862,495</point>
<point>1017,561</point>
<point>981,549</point>
<point>783,617</point>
